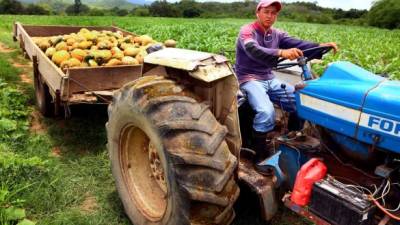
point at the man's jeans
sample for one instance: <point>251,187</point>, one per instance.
<point>261,95</point>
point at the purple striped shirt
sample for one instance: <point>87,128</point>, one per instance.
<point>249,64</point>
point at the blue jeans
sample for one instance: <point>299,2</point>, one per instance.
<point>261,95</point>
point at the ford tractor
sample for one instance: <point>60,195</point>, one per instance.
<point>180,143</point>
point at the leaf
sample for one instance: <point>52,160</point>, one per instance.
<point>3,195</point>
<point>26,222</point>
<point>13,213</point>
<point>7,125</point>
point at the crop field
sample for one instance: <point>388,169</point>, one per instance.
<point>56,171</point>
<point>374,49</point>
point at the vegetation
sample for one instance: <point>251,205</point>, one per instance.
<point>371,48</point>
<point>13,137</point>
<point>385,13</point>
<point>298,11</point>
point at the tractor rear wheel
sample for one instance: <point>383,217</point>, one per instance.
<point>169,157</point>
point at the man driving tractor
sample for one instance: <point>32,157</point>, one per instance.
<point>258,48</point>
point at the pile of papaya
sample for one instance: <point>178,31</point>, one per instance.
<point>91,48</point>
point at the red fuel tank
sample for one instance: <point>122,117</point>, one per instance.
<point>311,172</point>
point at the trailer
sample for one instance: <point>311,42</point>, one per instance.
<point>56,88</point>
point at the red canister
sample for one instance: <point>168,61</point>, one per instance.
<point>311,172</point>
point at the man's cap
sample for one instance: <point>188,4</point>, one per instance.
<point>266,3</point>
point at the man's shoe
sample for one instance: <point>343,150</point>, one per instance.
<point>260,146</point>
<point>262,152</point>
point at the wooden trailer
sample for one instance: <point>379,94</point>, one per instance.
<point>55,88</point>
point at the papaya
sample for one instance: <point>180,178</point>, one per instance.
<point>92,63</point>
<point>128,60</point>
<point>170,43</point>
<point>61,46</point>
<point>50,52</point>
<point>70,63</point>
<point>85,44</point>
<point>55,40</point>
<point>78,54</point>
<point>60,56</point>
<point>131,51</point>
<point>44,44</point>
<point>113,62</point>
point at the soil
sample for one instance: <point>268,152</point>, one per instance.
<point>56,151</point>
<point>89,205</point>
<point>5,49</point>
<point>19,65</point>
<point>25,78</point>
<point>37,125</point>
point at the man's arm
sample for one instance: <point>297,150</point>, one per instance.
<point>287,42</point>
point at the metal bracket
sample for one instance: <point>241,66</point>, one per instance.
<point>273,162</point>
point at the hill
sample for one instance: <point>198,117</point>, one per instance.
<point>103,4</point>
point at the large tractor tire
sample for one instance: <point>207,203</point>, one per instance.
<point>43,97</point>
<point>169,157</point>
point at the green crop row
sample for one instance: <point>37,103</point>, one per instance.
<point>376,50</point>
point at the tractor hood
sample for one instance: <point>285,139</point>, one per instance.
<point>200,65</point>
<point>354,102</point>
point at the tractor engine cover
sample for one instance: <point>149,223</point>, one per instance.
<point>356,103</point>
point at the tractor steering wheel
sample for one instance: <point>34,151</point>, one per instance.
<point>309,54</point>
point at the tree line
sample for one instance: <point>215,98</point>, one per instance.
<point>383,13</point>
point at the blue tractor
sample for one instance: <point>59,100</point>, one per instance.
<point>352,123</point>
<point>178,148</point>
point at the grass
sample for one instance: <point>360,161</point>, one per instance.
<point>52,174</point>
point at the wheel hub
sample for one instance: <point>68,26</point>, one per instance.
<point>156,168</point>
<point>143,173</point>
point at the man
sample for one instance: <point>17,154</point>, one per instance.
<point>258,47</point>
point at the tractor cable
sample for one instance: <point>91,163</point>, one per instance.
<point>340,161</point>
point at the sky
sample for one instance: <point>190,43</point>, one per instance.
<point>343,4</point>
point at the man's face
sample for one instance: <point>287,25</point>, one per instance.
<point>267,16</point>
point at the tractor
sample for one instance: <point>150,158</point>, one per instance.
<point>179,140</point>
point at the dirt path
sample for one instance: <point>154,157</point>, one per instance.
<point>19,65</point>
<point>5,49</point>
<point>25,78</point>
<point>89,205</point>
<point>37,126</point>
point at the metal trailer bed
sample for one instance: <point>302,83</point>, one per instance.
<point>85,85</point>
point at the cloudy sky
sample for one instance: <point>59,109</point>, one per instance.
<point>343,4</point>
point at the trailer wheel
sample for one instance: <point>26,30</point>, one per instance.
<point>169,157</point>
<point>43,97</point>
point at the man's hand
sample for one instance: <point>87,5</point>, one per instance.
<point>299,86</point>
<point>292,53</point>
<point>331,44</point>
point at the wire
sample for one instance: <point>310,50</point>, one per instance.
<point>384,192</point>
<point>394,210</point>
<point>380,187</point>
<point>386,211</point>
<point>343,163</point>
<point>361,187</point>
